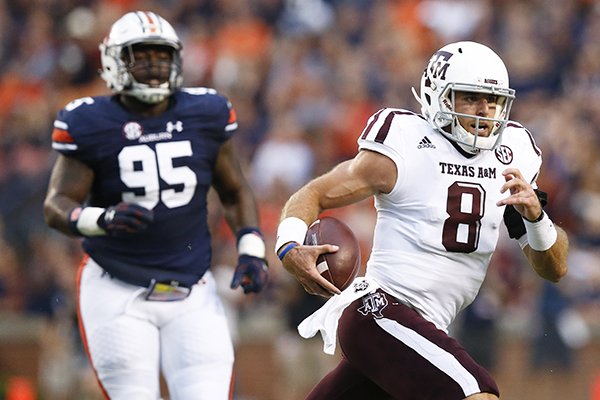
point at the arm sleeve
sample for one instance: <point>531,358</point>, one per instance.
<point>513,220</point>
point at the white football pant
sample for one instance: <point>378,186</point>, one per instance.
<point>130,340</point>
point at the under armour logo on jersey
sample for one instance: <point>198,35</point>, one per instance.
<point>425,143</point>
<point>177,126</point>
<point>374,303</point>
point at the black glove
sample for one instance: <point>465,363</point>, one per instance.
<point>125,218</point>
<point>251,272</point>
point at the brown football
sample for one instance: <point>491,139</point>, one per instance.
<point>341,267</point>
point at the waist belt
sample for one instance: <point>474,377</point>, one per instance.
<point>162,291</point>
<point>145,276</point>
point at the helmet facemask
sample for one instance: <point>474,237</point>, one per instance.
<point>146,92</point>
<point>447,119</point>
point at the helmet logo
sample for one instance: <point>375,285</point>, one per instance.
<point>439,64</point>
<point>504,154</point>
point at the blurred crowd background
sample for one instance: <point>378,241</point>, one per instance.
<point>304,76</point>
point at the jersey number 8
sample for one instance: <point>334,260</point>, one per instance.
<point>465,207</point>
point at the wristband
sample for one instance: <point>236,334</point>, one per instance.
<point>250,242</point>
<point>84,221</point>
<point>541,235</point>
<point>286,250</point>
<point>538,219</point>
<point>291,229</point>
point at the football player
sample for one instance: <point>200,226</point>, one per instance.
<point>443,182</point>
<point>132,178</point>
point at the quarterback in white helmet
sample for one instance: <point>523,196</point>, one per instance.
<point>443,182</point>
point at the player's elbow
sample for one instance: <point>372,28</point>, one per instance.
<point>556,273</point>
<point>559,273</point>
<point>49,217</point>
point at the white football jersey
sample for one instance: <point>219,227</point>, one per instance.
<point>437,229</point>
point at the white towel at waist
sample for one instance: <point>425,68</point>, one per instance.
<point>325,319</point>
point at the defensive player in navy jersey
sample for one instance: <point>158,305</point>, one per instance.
<point>443,182</point>
<point>132,179</point>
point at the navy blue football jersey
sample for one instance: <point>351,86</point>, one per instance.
<point>164,163</point>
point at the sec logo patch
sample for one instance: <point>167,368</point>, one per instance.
<point>504,154</point>
<point>132,130</point>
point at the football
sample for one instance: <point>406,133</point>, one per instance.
<point>341,267</point>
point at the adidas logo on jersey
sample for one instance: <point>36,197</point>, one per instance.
<point>425,143</point>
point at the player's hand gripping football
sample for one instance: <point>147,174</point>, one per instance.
<point>522,196</point>
<point>301,261</point>
<point>125,219</point>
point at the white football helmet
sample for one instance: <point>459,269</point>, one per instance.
<point>134,28</point>
<point>467,67</point>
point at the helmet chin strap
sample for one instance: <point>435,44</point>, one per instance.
<point>468,149</point>
<point>416,95</point>
<point>469,142</point>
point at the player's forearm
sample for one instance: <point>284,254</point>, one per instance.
<point>298,213</point>
<point>241,211</point>
<point>69,186</point>
<point>339,187</point>
<point>303,204</point>
<point>550,264</point>
<point>56,212</point>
